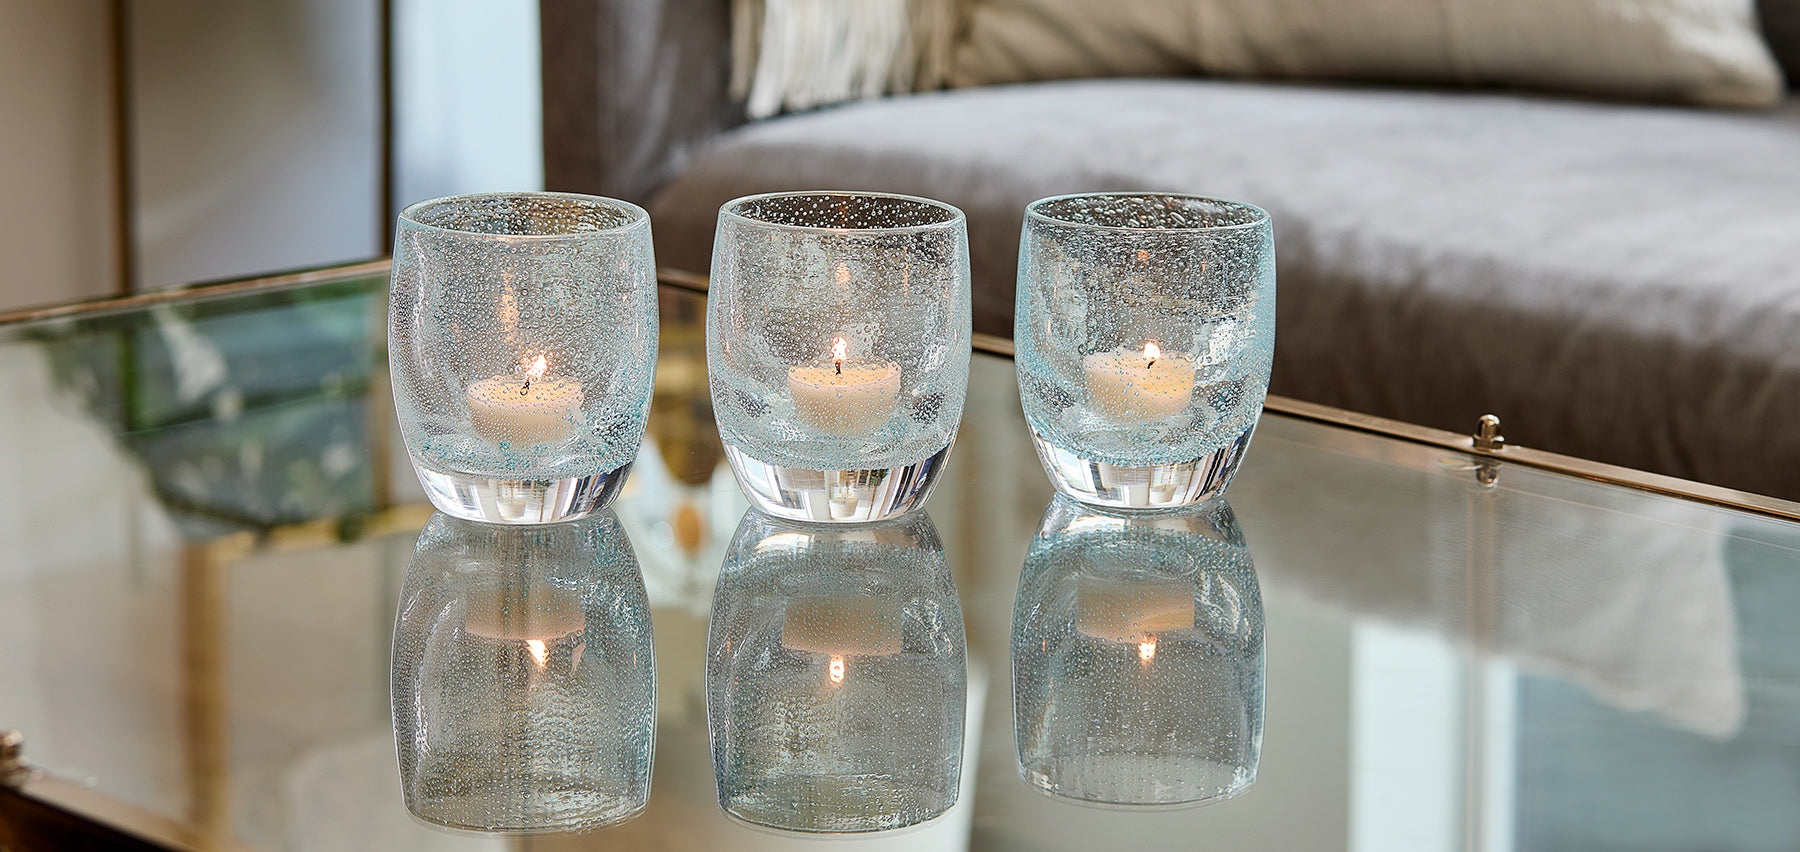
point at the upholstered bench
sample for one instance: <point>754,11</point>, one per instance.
<point>1617,281</point>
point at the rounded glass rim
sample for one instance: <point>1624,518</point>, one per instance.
<point>636,217</point>
<point>1035,212</point>
<point>953,215</point>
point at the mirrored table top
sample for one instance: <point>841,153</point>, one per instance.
<point>208,525</point>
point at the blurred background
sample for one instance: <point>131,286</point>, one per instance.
<point>147,144</point>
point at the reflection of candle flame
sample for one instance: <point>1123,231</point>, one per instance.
<point>843,275</point>
<point>539,651</point>
<point>837,669</point>
<point>1147,650</point>
<point>1151,353</point>
<point>839,349</point>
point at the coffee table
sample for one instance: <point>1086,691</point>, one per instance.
<point>208,517</point>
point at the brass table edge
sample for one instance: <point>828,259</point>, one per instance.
<point>150,298</point>
<point>127,819</point>
<point>1654,483</point>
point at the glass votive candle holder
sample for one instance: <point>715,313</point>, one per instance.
<point>523,677</point>
<point>838,349</point>
<point>1137,649</point>
<point>1144,329</point>
<point>836,676</point>
<point>522,343</point>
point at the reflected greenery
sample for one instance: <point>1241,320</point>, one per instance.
<point>247,411</point>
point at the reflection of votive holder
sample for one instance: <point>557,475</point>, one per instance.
<point>836,677</point>
<point>1137,651</point>
<point>1170,485</point>
<point>522,678</point>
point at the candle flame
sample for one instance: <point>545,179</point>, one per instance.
<point>1151,353</point>
<point>539,652</point>
<point>837,669</point>
<point>1147,650</point>
<point>533,373</point>
<point>840,349</point>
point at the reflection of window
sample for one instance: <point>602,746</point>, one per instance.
<point>1432,743</point>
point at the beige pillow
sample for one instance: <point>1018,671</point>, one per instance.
<point>1694,51</point>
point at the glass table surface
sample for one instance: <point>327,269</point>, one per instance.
<point>207,523</point>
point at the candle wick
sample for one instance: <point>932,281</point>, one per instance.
<point>840,366</point>
<point>1150,363</point>
<point>527,388</point>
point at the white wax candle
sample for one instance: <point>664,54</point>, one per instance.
<point>841,625</point>
<point>526,409</point>
<point>844,398</point>
<point>1131,611</point>
<point>1138,385</point>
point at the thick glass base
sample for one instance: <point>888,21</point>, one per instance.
<point>1158,486</point>
<point>513,501</point>
<point>836,496</point>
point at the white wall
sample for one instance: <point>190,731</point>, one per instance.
<point>55,131</point>
<point>467,104</point>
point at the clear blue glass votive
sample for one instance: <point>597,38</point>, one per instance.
<point>1144,329</point>
<point>838,349</point>
<point>522,344</point>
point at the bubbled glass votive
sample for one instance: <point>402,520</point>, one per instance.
<point>836,678</point>
<point>838,349</point>
<point>523,681</point>
<point>1137,649</point>
<point>1144,333</point>
<point>522,342</point>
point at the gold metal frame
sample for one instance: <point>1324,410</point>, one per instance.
<point>119,304</point>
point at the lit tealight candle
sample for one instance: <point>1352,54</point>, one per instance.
<point>844,398</point>
<point>1133,386</point>
<point>529,409</point>
<point>1133,612</point>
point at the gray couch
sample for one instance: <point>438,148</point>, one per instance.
<point>1617,281</point>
